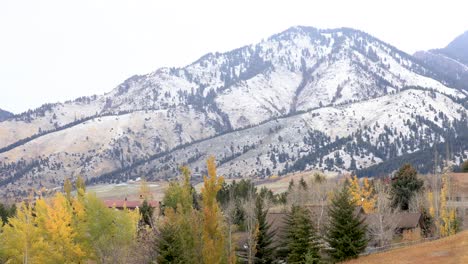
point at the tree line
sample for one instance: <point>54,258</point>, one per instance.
<point>318,220</point>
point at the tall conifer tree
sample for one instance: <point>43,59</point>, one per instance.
<point>346,234</point>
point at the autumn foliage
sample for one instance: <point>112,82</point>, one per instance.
<point>65,229</point>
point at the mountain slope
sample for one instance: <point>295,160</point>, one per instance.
<point>451,62</point>
<point>4,115</point>
<point>457,49</point>
<point>338,100</point>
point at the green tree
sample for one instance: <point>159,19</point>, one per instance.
<point>180,229</point>
<point>300,238</point>
<point>80,183</point>
<point>20,239</point>
<point>67,188</point>
<point>146,213</point>
<point>404,186</point>
<point>346,233</point>
<point>464,166</point>
<point>264,250</point>
<point>169,246</point>
<point>109,233</point>
<point>6,212</point>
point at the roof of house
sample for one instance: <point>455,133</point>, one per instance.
<point>128,204</point>
<point>404,220</point>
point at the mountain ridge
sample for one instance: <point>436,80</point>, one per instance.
<point>4,115</point>
<point>302,71</point>
<point>450,62</point>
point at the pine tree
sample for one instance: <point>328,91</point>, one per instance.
<point>300,238</point>
<point>346,233</point>
<point>146,213</point>
<point>264,250</point>
<point>464,166</point>
<point>6,212</point>
<point>169,247</point>
<point>404,185</point>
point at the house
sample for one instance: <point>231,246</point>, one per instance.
<point>401,221</point>
<point>406,225</point>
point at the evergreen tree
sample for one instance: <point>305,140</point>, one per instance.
<point>264,250</point>
<point>464,166</point>
<point>6,212</point>
<point>168,246</point>
<point>404,185</point>
<point>146,213</point>
<point>346,234</point>
<point>300,238</point>
<point>303,183</point>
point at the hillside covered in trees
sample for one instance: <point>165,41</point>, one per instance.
<point>317,220</point>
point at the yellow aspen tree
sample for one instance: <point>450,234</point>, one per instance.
<point>369,197</point>
<point>363,195</point>
<point>80,184</point>
<point>430,199</point>
<point>21,239</point>
<point>80,224</point>
<point>213,234</point>
<point>448,219</point>
<point>55,220</point>
<point>354,189</point>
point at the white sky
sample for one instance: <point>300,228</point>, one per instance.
<point>58,50</point>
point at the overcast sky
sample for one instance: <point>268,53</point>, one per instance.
<point>53,51</point>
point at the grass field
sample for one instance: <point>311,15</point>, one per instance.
<point>450,250</point>
<point>127,190</point>
<point>131,190</point>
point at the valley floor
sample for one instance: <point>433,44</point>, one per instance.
<point>448,250</point>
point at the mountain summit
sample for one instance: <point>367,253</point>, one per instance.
<point>451,62</point>
<point>458,49</point>
<point>337,100</point>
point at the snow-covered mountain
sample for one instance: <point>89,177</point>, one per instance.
<point>338,100</point>
<point>451,62</point>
